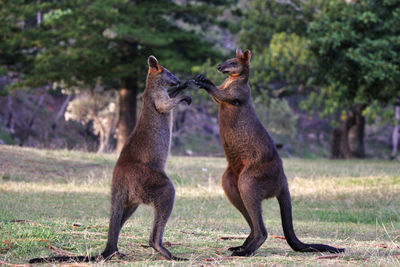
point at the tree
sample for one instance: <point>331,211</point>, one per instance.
<point>284,67</point>
<point>82,41</point>
<point>17,25</point>
<point>357,50</point>
<point>262,19</point>
<point>98,107</point>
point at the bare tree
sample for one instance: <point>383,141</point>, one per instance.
<point>395,134</point>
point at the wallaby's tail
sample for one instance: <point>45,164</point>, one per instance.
<point>63,258</point>
<point>287,224</point>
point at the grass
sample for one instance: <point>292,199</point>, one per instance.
<point>351,204</point>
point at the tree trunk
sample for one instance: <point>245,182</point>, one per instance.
<point>61,112</point>
<point>103,138</point>
<point>344,140</point>
<point>335,143</point>
<point>127,111</point>
<point>348,140</point>
<point>27,131</point>
<point>9,123</point>
<point>356,134</point>
<point>395,135</point>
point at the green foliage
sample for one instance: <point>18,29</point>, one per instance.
<point>386,113</point>
<point>17,31</point>
<point>357,47</point>
<point>263,19</point>
<point>287,60</point>
<point>6,137</point>
<point>80,41</point>
<point>209,69</point>
<point>277,117</point>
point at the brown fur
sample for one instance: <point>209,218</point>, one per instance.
<point>255,170</point>
<point>139,175</point>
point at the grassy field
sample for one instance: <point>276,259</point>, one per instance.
<point>351,204</point>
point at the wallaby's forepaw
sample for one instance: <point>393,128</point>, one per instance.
<point>184,85</point>
<point>187,99</point>
<point>202,79</point>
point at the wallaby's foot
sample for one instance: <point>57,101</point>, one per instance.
<point>107,255</point>
<point>250,247</point>
<point>243,253</point>
<point>164,252</point>
<point>238,248</point>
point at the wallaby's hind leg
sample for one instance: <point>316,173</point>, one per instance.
<point>128,211</point>
<point>117,212</point>
<point>163,204</point>
<point>119,216</point>
<point>232,192</point>
<point>252,201</point>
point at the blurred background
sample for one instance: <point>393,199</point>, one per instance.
<point>325,74</point>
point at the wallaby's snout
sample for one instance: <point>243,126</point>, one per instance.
<point>170,79</point>
<point>219,67</point>
<point>175,81</point>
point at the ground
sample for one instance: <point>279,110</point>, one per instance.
<point>350,204</point>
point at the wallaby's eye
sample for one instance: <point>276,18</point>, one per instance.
<point>233,64</point>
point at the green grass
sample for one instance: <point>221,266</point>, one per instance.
<point>351,204</point>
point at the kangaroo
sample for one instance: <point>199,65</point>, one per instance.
<point>255,170</point>
<point>139,175</point>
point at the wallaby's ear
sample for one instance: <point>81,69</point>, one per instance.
<point>247,56</point>
<point>153,64</point>
<point>239,53</point>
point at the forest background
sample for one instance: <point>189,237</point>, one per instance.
<point>325,75</point>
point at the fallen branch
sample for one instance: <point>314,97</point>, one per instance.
<point>78,225</point>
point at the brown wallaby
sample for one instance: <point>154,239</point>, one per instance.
<point>255,170</point>
<point>139,176</point>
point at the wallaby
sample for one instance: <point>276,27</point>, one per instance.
<point>255,170</point>
<point>139,176</point>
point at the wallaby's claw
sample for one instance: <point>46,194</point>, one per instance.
<point>202,78</point>
<point>198,77</point>
<point>203,82</point>
<point>200,81</point>
<point>183,85</point>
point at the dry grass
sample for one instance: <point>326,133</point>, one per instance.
<point>351,204</point>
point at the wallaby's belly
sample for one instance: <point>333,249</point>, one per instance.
<point>244,139</point>
<point>141,165</point>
